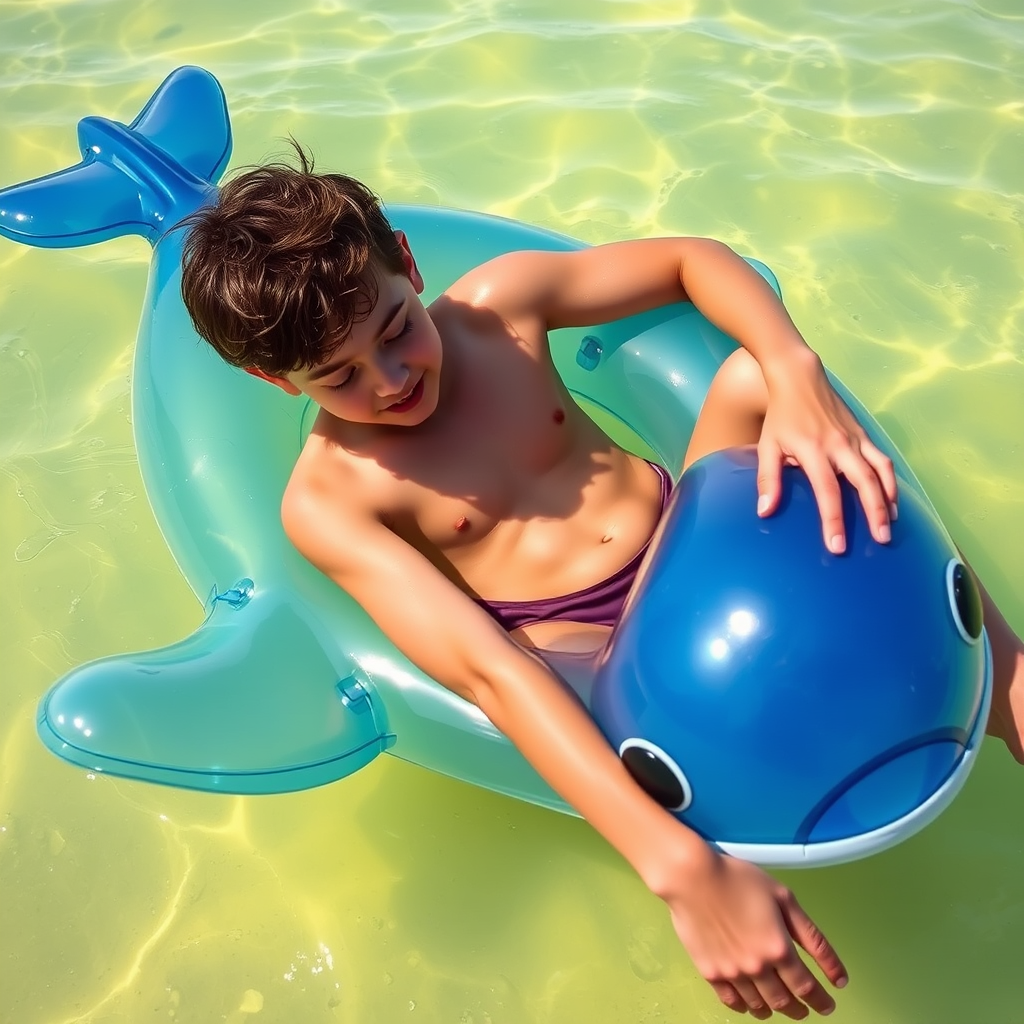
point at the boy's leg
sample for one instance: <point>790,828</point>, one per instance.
<point>1006,719</point>
<point>733,410</point>
<point>732,415</point>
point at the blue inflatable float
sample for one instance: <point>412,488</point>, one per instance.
<point>793,707</point>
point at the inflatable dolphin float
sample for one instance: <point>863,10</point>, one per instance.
<point>287,683</point>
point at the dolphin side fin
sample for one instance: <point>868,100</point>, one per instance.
<point>136,179</point>
<point>251,702</point>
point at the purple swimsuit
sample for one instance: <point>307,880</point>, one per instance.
<point>600,604</point>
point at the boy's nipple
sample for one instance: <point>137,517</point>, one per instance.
<point>461,524</point>
<point>559,416</point>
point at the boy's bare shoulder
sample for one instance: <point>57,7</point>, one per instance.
<point>328,485</point>
<point>512,283</point>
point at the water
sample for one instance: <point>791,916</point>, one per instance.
<point>870,155</point>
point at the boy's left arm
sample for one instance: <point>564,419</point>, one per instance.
<point>806,423</point>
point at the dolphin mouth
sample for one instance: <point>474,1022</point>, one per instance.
<point>828,851</point>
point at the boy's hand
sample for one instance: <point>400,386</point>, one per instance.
<point>741,928</point>
<point>809,425</point>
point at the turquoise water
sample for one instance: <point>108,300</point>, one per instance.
<point>869,153</point>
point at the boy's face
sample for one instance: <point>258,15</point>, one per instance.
<point>387,370</point>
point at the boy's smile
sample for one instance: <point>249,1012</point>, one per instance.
<point>410,400</point>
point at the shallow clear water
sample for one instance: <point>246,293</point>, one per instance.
<point>870,153</point>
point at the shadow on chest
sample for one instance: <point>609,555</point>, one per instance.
<point>510,425</point>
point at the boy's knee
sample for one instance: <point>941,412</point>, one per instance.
<point>739,380</point>
<point>733,410</point>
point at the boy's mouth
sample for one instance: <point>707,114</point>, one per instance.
<point>409,400</point>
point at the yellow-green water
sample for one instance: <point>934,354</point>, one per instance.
<point>871,153</point>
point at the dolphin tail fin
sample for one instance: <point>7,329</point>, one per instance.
<point>140,178</point>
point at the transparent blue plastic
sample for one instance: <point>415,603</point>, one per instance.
<point>287,683</point>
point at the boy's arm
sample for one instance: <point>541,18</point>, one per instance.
<point>807,423</point>
<point>738,924</point>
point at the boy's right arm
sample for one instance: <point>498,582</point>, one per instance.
<point>737,923</point>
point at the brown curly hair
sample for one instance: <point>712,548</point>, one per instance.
<point>279,268</point>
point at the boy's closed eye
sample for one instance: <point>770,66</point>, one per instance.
<point>406,328</point>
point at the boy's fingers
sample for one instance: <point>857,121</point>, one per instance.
<point>867,468</point>
<point>780,994</point>
<point>726,991</point>
<point>753,1001</point>
<point>877,506</point>
<point>769,478</point>
<point>823,482</point>
<point>810,937</point>
<point>882,465</point>
<point>805,986</point>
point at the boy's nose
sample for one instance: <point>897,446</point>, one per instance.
<point>391,380</point>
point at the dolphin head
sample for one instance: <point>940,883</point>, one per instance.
<point>790,704</point>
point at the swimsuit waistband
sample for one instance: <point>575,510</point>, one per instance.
<point>600,604</point>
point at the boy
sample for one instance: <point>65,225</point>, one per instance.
<point>491,529</point>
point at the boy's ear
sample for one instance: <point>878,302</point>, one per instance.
<point>411,270</point>
<point>283,383</point>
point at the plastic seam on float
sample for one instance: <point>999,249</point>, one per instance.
<point>380,742</point>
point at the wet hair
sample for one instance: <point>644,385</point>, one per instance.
<point>277,270</point>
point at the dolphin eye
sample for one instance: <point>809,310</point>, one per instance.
<point>656,773</point>
<point>964,601</point>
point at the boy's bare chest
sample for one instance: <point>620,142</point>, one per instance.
<point>509,468</point>
<point>504,457</point>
